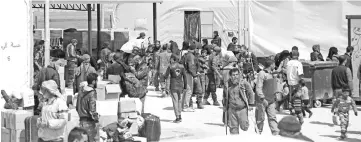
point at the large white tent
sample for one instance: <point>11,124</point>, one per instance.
<point>272,25</point>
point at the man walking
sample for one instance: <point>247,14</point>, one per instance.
<point>240,101</point>
<point>265,104</point>
<point>86,107</point>
<point>163,64</point>
<point>190,63</point>
<point>178,83</point>
<point>71,57</point>
<point>212,74</point>
<point>341,78</point>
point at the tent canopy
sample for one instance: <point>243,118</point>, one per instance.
<point>95,1</point>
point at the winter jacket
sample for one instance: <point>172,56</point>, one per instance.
<point>240,95</point>
<point>248,62</point>
<point>86,104</point>
<point>190,64</point>
<point>316,56</point>
<point>48,73</point>
<point>164,62</point>
<point>178,80</point>
<point>141,73</point>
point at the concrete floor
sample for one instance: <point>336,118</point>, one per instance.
<point>208,122</point>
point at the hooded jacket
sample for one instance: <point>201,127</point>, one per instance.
<point>86,104</point>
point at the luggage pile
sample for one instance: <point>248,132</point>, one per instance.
<point>130,125</point>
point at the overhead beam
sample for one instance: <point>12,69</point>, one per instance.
<point>96,1</point>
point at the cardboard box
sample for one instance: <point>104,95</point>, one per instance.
<point>141,139</point>
<point>4,117</point>
<point>107,107</point>
<point>105,120</point>
<point>102,90</point>
<point>112,91</point>
<point>17,135</point>
<point>131,115</point>
<point>5,134</point>
<point>127,105</point>
<point>15,119</point>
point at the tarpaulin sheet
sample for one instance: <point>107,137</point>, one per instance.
<point>279,25</point>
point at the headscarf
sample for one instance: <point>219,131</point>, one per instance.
<point>52,87</point>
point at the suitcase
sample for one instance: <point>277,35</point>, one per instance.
<point>31,131</point>
<point>152,128</point>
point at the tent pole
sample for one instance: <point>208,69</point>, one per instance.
<point>239,22</point>
<point>89,29</point>
<point>155,22</point>
<point>98,30</point>
<point>47,33</point>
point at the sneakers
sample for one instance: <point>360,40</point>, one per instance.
<point>343,136</point>
<point>178,120</point>
<point>188,110</point>
<point>216,103</point>
<point>310,115</point>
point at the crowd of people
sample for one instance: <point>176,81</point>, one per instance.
<point>197,70</point>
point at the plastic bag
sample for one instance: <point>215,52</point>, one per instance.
<point>336,119</point>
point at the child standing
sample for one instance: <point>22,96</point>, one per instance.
<point>296,104</point>
<point>342,107</point>
<point>305,99</point>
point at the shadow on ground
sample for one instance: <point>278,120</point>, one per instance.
<point>168,108</point>
<point>215,124</point>
<point>166,120</point>
<point>350,132</point>
<point>346,139</point>
<point>322,123</point>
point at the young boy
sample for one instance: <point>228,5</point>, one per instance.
<point>342,107</point>
<point>296,104</point>
<point>305,99</point>
<point>78,135</point>
<point>284,94</point>
<point>178,84</point>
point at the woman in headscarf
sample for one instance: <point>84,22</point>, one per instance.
<point>174,48</point>
<point>332,54</point>
<point>54,115</point>
<point>283,60</point>
<point>82,71</point>
<point>316,54</point>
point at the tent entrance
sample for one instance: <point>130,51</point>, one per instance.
<point>192,25</point>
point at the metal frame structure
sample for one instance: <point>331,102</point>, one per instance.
<point>77,7</point>
<point>80,6</point>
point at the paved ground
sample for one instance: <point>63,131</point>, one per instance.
<point>208,122</point>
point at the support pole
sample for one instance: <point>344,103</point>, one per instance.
<point>89,29</point>
<point>47,33</point>
<point>98,30</point>
<point>155,22</point>
<point>239,23</point>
